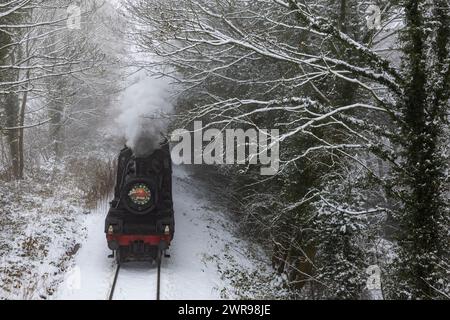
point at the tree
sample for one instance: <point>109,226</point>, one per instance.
<point>337,93</point>
<point>424,217</point>
<point>43,60</point>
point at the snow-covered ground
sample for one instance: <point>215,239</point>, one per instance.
<point>207,261</point>
<point>40,231</point>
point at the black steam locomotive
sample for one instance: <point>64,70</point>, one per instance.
<point>140,222</point>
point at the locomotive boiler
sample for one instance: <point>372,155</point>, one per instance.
<point>140,222</point>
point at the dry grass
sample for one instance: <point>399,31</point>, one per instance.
<point>94,177</point>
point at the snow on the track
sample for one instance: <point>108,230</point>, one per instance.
<point>133,277</point>
<point>194,270</point>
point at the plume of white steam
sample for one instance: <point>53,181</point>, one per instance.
<point>144,107</point>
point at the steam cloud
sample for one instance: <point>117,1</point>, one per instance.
<point>144,107</point>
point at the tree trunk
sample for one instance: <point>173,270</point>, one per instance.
<point>21,133</point>
<point>57,128</point>
<point>424,109</point>
<point>12,117</point>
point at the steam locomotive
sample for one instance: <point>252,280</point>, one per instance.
<point>140,222</point>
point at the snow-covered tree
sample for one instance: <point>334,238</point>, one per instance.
<point>49,63</point>
<point>333,83</point>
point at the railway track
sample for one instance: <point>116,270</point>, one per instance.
<point>158,279</point>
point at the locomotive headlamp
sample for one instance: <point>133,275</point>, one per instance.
<point>140,194</point>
